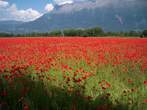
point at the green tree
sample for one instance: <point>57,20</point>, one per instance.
<point>144,33</point>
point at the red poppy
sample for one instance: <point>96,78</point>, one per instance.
<point>26,107</point>
<point>145,82</point>
<point>68,78</point>
<point>4,93</point>
<point>130,81</point>
<point>104,84</point>
<point>145,101</point>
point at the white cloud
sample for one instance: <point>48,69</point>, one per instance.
<point>92,4</point>
<point>24,15</point>
<point>3,4</point>
<point>10,12</point>
<point>63,2</point>
<point>49,7</point>
<point>82,4</point>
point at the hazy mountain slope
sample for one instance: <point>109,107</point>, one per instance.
<point>110,18</point>
<point>9,26</point>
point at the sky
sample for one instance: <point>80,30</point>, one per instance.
<point>24,10</point>
<point>28,10</point>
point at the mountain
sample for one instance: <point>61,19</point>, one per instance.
<point>110,18</point>
<point>9,26</point>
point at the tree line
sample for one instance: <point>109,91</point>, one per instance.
<point>93,32</point>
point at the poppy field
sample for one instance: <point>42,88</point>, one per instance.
<point>73,73</point>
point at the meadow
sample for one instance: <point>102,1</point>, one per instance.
<point>73,73</point>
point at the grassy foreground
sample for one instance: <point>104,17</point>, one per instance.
<point>74,78</point>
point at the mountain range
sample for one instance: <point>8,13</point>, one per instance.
<point>110,18</point>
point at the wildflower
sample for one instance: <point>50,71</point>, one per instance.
<point>145,82</point>
<point>145,101</point>
<point>68,78</point>
<point>130,81</point>
<point>25,107</point>
<point>104,84</point>
<point>108,94</point>
<point>4,93</point>
<point>103,88</point>
<point>84,77</point>
<point>6,77</point>
<point>79,80</point>
<point>88,97</point>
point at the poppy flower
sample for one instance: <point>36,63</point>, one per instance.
<point>145,101</point>
<point>145,82</point>
<point>25,107</point>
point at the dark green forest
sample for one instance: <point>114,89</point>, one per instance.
<point>89,32</point>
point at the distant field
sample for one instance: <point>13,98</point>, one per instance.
<point>73,73</point>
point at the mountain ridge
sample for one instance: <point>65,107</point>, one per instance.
<point>108,18</point>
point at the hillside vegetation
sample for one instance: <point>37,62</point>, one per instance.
<point>93,32</point>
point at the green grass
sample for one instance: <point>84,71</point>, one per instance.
<point>49,90</point>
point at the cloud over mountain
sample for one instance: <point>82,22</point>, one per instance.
<point>3,4</point>
<point>111,15</point>
<point>49,7</point>
<point>10,12</point>
<point>76,5</point>
<point>63,2</point>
